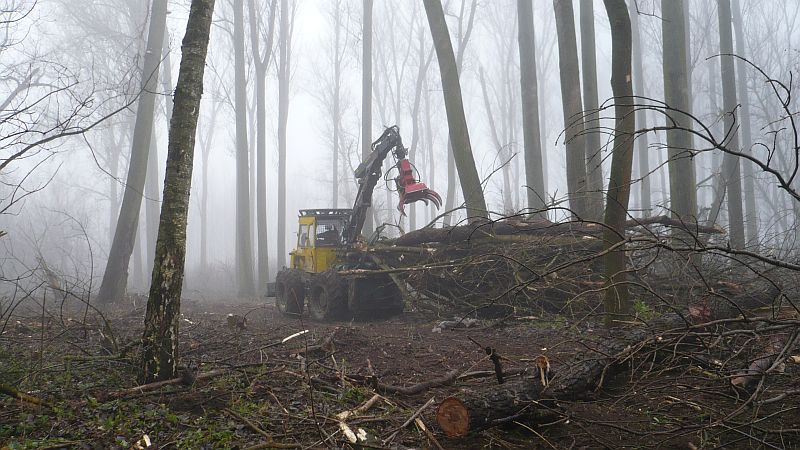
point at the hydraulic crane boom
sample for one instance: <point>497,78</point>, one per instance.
<point>369,172</point>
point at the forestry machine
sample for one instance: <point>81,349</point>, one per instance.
<point>327,267</point>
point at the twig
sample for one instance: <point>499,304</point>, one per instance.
<point>448,378</point>
<point>160,384</point>
<point>421,425</point>
<point>410,419</point>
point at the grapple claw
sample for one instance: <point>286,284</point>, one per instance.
<point>411,190</point>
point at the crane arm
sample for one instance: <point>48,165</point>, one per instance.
<point>369,172</point>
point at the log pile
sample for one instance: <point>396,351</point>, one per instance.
<point>496,268</point>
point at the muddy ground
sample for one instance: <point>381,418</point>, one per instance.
<point>268,394</point>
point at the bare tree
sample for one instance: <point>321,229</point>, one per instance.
<point>244,245</point>
<point>731,172</point>
<point>160,339</point>
<point>682,184</point>
<point>284,64</point>
<point>641,114</point>
<point>534,172</point>
<point>261,61</point>
<point>594,169</point>
<point>425,55</point>
<point>366,93</point>
<point>457,122</point>
<point>748,171</point>
<point>466,23</point>
<point>572,108</point>
<point>116,273</point>
<point>619,183</point>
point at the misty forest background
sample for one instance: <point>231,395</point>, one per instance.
<point>282,117</point>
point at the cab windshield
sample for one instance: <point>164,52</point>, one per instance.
<point>328,233</point>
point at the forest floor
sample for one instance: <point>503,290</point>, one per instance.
<point>260,392</point>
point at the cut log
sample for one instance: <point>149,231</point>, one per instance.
<point>477,410</point>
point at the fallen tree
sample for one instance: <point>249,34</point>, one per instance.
<point>535,399</point>
<point>539,227</point>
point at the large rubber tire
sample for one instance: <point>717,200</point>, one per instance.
<point>328,299</point>
<point>290,293</point>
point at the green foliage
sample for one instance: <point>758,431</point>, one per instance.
<point>642,310</point>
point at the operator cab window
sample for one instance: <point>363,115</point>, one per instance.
<point>328,234</point>
<point>302,236</point>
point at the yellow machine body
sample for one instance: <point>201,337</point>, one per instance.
<point>319,237</point>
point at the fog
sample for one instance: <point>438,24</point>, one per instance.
<point>60,201</point>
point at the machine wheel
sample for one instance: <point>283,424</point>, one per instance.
<point>328,299</point>
<point>290,294</point>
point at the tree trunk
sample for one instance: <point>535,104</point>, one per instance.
<point>206,151</point>
<point>594,157</point>
<point>534,172</point>
<point>502,151</point>
<point>337,82</point>
<point>430,211</point>
<point>425,58</point>
<point>619,184</point>
<point>748,171</point>
<point>572,108</point>
<point>682,184</point>
<point>283,118</point>
<point>261,62</point>
<point>641,115</point>
<point>366,96</point>
<point>115,277</point>
<point>731,173</point>
<point>462,38</point>
<point>160,339</point>
<point>457,121</point>
<point>244,245</point>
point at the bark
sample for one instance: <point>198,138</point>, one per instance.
<point>594,168</point>
<point>682,185</point>
<point>160,344</point>
<point>115,277</point>
<point>283,118</point>
<point>244,245</point>
<point>731,173</point>
<point>457,122</point>
<point>261,61</point>
<point>641,114</point>
<point>748,170</point>
<point>572,108</point>
<point>366,96</point>
<point>476,410</point>
<point>463,35</point>
<point>534,172</point>
<point>617,301</point>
